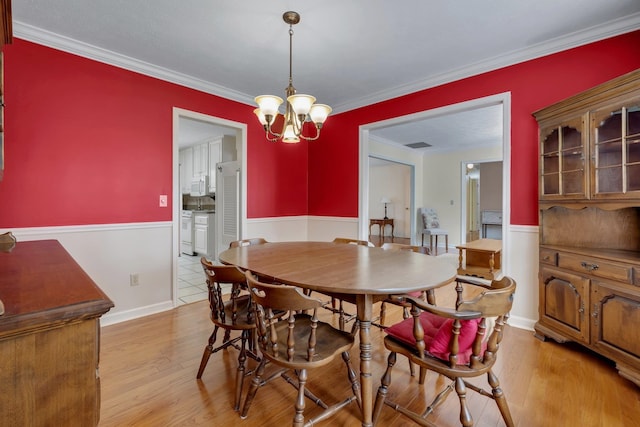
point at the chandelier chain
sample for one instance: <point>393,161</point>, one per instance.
<point>299,108</point>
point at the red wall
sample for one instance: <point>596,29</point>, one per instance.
<point>533,85</point>
<point>89,143</point>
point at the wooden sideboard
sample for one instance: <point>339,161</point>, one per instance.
<point>49,338</point>
<point>590,222</point>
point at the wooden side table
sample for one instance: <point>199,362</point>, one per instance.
<point>381,223</point>
<point>482,258</point>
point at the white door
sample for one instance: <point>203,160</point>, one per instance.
<point>227,204</point>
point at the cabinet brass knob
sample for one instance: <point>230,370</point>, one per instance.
<point>589,267</point>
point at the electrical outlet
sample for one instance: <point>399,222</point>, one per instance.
<point>163,200</point>
<point>134,279</point>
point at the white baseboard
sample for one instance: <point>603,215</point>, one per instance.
<point>123,316</point>
<point>521,323</point>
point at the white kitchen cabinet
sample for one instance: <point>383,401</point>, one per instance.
<point>204,235</point>
<point>186,169</point>
<point>215,157</point>
<point>221,149</point>
<point>200,160</point>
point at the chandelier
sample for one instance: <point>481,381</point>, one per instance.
<point>299,108</point>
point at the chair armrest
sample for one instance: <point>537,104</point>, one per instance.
<point>474,281</point>
<point>449,313</point>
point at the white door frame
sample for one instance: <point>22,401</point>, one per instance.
<point>241,133</point>
<point>503,99</point>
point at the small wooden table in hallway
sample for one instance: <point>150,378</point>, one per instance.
<point>481,258</point>
<point>382,223</point>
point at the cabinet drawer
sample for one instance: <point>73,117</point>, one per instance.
<point>548,256</point>
<point>596,267</point>
<point>201,220</point>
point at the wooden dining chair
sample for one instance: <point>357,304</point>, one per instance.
<point>247,242</point>
<point>233,314</point>
<point>353,241</point>
<point>337,303</point>
<point>460,342</point>
<point>7,242</point>
<point>405,306</point>
<point>296,343</point>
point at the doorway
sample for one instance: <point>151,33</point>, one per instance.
<point>482,197</point>
<point>391,196</point>
<point>503,101</point>
<point>208,127</point>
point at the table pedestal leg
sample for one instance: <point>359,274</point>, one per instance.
<point>364,305</point>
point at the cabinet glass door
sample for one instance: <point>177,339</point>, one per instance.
<point>633,147</point>
<point>562,161</point>
<point>616,151</point>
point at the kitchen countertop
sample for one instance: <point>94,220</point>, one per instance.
<point>203,211</point>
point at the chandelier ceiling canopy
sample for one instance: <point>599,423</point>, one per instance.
<point>299,108</point>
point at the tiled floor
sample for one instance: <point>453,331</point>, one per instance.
<point>191,284</point>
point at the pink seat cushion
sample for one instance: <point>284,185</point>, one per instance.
<point>437,334</point>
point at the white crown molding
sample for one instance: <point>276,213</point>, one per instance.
<point>578,38</point>
<point>66,44</point>
<point>559,44</point>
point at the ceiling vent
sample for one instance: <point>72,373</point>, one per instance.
<point>418,145</point>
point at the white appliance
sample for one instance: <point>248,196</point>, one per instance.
<point>200,186</point>
<point>187,233</point>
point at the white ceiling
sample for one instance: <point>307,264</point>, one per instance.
<point>346,53</point>
<point>194,131</point>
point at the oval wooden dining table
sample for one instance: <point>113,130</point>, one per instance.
<point>361,274</point>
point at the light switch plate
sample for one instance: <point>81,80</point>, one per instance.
<point>163,200</point>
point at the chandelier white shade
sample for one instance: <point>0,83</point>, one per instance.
<point>299,108</point>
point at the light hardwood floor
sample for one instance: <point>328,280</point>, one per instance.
<point>148,373</point>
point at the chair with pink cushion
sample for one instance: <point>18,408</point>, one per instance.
<point>459,343</point>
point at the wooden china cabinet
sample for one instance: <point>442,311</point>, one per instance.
<point>589,273</point>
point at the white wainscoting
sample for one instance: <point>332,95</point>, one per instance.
<point>326,228</point>
<point>110,253</point>
<point>523,267</point>
<point>302,228</point>
<point>277,229</point>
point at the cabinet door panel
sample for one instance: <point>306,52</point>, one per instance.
<point>563,300</point>
<point>562,163</point>
<point>215,157</point>
<point>615,150</point>
<point>200,236</point>
<point>186,169</point>
<point>615,316</point>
